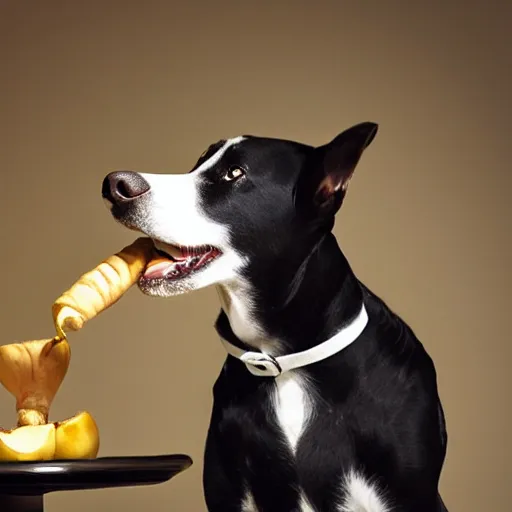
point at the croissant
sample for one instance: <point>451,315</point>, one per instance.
<point>101,287</point>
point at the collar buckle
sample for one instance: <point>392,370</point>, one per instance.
<point>261,364</point>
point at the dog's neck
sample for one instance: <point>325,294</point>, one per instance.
<point>270,314</point>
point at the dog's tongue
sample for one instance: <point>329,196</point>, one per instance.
<point>158,267</point>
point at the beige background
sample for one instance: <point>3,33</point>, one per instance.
<point>90,87</point>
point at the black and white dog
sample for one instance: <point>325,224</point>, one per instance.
<point>327,400</point>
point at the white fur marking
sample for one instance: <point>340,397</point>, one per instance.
<point>235,300</point>
<point>248,504</point>
<point>304,504</point>
<point>360,495</point>
<point>292,406</point>
<point>173,214</point>
<point>292,409</point>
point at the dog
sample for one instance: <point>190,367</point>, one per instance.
<point>327,401</point>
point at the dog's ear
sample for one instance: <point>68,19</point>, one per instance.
<point>331,168</point>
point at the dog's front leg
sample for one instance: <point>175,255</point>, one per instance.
<point>222,493</point>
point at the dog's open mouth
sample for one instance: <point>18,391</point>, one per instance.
<point>175,262</point>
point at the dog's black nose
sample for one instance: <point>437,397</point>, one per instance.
<point>123,186</point>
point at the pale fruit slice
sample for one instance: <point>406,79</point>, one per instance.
<point>74,438</point>
<point>77,437</point>
<point>28,443</point>
<point>33,371</point>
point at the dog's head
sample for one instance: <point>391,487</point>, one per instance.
<point>249,202</point>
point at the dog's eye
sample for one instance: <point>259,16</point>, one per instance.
<point>233,174</point>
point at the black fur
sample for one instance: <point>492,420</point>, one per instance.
<point>376,403</point>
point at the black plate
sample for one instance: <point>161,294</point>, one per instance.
<point>37,478</point>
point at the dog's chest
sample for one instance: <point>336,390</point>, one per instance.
<point>292,406</point>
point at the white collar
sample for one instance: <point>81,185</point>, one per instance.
<point>265,365</point>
